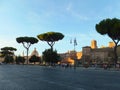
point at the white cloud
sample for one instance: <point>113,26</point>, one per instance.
<point>70,9</point>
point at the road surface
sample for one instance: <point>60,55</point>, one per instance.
<point>30,77</point>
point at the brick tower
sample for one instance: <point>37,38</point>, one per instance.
<point>93,44</point>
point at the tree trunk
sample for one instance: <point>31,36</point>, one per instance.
<point>51,56</point>
<point>27,54</point>
<point>115,55</point>
<point>115,51</point>
<point>51,48</point>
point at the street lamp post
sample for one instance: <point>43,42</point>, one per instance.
<point>74,44</point>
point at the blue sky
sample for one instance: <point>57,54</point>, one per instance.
<point>73,18</point>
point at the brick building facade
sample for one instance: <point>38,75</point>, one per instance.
<point>92,54</point>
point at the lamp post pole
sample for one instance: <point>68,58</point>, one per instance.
<point>74,44</point>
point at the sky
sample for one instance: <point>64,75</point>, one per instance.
<point>73,18</point>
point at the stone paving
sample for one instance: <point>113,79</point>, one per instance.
<point>28,77</point>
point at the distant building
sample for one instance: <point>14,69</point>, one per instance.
<point>92,54</point>
<point>93,44</point>
<point>89,54</point>
<point>111,44</point>
<point>1,58</point>
<point>70,56</point>
<point>35,52</point>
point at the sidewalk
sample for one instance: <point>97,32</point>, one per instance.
<point>97,68</point>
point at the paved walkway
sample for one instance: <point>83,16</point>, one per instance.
<point>26,77</point>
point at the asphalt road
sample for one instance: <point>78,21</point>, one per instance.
<point>26,77</point>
